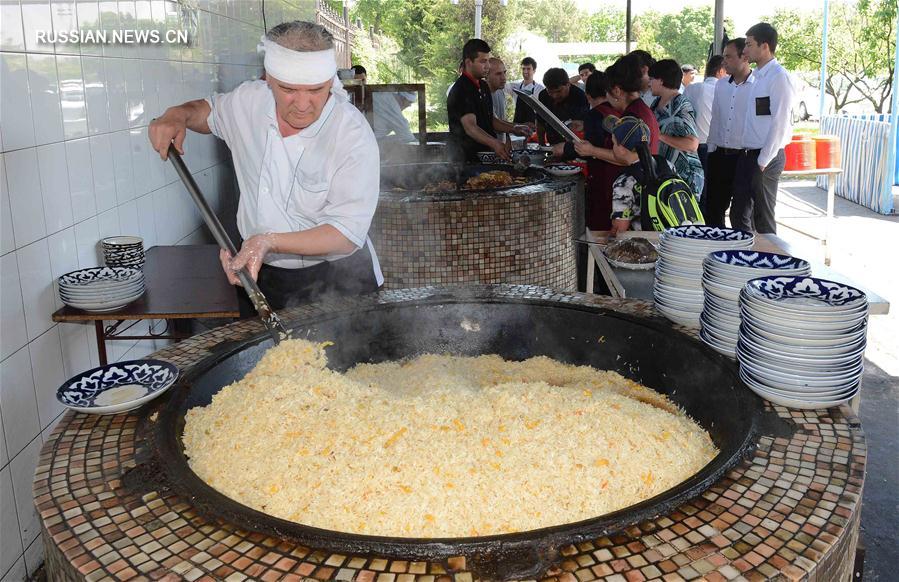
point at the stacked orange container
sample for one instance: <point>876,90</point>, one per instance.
<point>827,151</point>
<point>800,154</point>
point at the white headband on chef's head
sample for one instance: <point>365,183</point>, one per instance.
<point>297,67</point>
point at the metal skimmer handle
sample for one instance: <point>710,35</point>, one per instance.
<point>266,313</point>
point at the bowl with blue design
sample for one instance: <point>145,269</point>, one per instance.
<point>118,387</point>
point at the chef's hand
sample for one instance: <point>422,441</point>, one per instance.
<point>522,130</point>
<point>168,129</point>
<point>503,150</point>
<point>584,148</point>
<point>251,255</point>
<point>619,225</point>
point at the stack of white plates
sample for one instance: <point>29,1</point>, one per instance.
<point>724,273</point>
<point>802,340</point>
<point>678,277</point>
<point>101,288</point>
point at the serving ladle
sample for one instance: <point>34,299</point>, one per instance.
<point>268,316</point>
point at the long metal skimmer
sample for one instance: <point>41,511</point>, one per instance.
<point>271,320</point>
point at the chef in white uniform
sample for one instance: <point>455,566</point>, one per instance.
<point>307,166</point>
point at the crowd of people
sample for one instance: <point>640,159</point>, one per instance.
<point>724,136</point>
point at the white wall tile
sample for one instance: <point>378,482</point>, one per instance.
<point>34,556</point>
<point>65,18</point>
<point>48,371</point>
<point>147,220</point>
<point>88,12</point>
<point>149,72</point>
<point>36,279</point>
<point>11,548</point>
<point>4,454</point>
<point>81,179</point>
<point>13,333</point>
<point>11,35</point>
<point>18,129</point>
<point>140,153</point>
<point>109,20</point>
<point>95,95</point>
<point>75,340</point>
<point>104,172</point>
<point>116,93</point>
<point>124,167</point>
<point>22,467</point>
<point>71,95</point>
<point>63,257</point>
<point>7,240</point>
<point>23,180</point>
<point>134,92</point>
<point>54,174</point>
<point>43,84</point>
<point>17,403</point>
<point>36,17</point>
<point>108,224</point>
<point>86,236</point>
<point>129,224</point>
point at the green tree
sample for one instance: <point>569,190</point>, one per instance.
<point>861,49</point>
<point>684,36</point>
<point>607,25</point>
<point>557,20</point>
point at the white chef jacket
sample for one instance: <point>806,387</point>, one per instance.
<point>328,173</point>
<point>729,111</point>
<point>388,118</point>
<point>701,96</point>
<point>771,132</point>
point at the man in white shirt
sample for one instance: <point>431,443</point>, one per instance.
<point>767,131</point>
<point>307,165</point>
<point>701,96</point>
<point>523,113</point>
<point>725,144</point>
<point>496,82</point>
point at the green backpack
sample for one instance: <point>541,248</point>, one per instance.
<point>666,200</point>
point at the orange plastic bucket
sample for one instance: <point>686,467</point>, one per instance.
<point>827,151</point>
<point>800,155</point>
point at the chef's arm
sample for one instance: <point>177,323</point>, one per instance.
<point>503,126</point>
<point>470,124</point>
<point>172,126</point>
<point>320,240</point>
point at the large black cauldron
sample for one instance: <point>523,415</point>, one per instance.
<point>514,323</point>
<point>400,180</point>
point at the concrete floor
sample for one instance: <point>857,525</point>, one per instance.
<point>863,246</point>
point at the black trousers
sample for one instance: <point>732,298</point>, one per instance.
<point>352,275</point>
<point>721,169</point>
<point>755,193</point>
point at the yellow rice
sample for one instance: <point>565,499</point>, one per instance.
<point>439,446</point>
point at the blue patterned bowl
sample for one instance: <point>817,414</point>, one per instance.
<point>806,293</point>
<point>709,233</point>
<point>759,260</point>
<point>95,275</point>
<point>118,387</point>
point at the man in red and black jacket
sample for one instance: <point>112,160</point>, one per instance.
<point>469,107</point>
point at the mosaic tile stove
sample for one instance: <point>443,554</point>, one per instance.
<point>523,235</point>
<point>791,512</point>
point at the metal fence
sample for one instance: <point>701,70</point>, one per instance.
<point>866,177</point>
<point>339,25</point>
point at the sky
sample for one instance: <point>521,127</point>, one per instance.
<point>743,13</point>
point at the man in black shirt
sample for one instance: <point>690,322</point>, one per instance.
<point>567,102</point>
<point>469,107</point>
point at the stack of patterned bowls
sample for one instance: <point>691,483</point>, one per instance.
<point>123,251</point>
<point>678,277</point>
<point>101,288</point>
<point>724,273</point>
<point>802,340</point>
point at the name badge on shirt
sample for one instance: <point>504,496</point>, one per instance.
<point>763,105</point>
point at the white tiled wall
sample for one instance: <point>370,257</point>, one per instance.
<point>75,167</point>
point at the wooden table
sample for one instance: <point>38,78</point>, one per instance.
<point>831,174</point>
<point>182,283</point>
